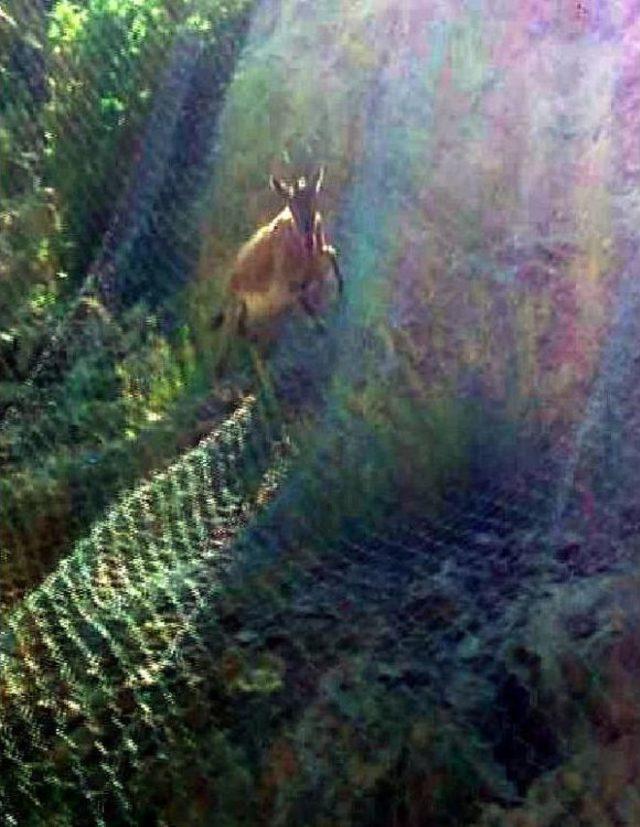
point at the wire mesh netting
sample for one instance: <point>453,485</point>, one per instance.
<point>382,572</point>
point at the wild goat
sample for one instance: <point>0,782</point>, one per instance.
<point>279,265</point>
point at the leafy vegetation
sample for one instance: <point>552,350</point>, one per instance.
<point>99,381</point>
<point>371,646</point>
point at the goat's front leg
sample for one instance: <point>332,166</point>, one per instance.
<point>329,251</point>
<point>311,311</point>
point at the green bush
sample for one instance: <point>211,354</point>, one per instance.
<point>94,120</point>
<point>94,394</point>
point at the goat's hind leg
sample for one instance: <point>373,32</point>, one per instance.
<point>241,319</point>
<point>231,323</point>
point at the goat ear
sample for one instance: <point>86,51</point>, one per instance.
<point>316,181</point>
<point>279,186</point>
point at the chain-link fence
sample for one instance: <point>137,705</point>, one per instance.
<point>385,574</point>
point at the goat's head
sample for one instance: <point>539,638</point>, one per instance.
<point>301,198</point>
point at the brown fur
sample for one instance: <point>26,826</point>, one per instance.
<point>274,266</point>
<point>274,269</point>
